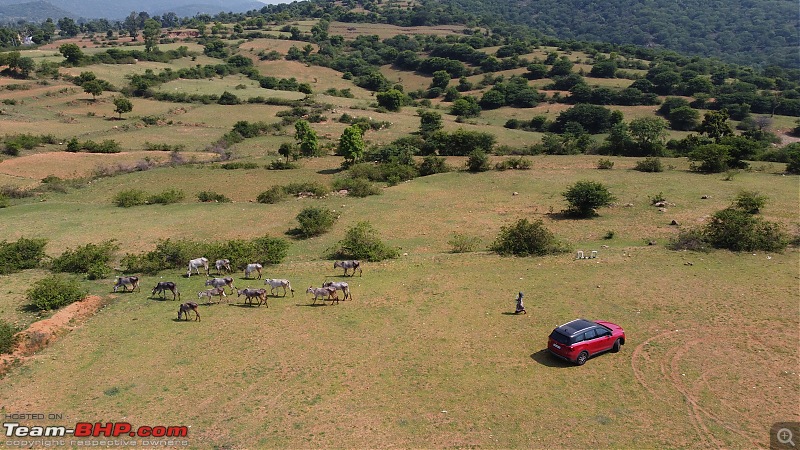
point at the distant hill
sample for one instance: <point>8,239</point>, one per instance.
<point>754,32</point>
<point>118,9</point>
<point>36,11</point>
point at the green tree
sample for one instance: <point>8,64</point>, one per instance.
<point>123,105</point>
<point>584,197</point>
<point>72,53</point>
<point>466,106</point>
<point>478,161</point>
<point>793,158</point>
<point>429,121</point>
<point>287,149</point>
<point>715,125</point>
<point>93,87</point>
<point>737,230</point>
<point>362,242</point>
<point>709,158</point>
<point>441,78</point>
<point>68,27</point>
<point>306,138</point>
<point>526,238</point>
<point>392,99</point>
<point>649,134</point>
<point>561,67</point>
<point>315,221</point>
<point>351,144</point>
<point>151,32</point>
<point>684,118</point>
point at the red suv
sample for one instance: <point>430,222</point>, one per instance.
<point>581,339</point>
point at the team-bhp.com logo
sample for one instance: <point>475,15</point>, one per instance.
<point>87,430</point>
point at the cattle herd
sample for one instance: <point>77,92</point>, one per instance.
<point>328,290</point>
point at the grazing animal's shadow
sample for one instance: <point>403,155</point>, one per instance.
<point>311,305</point>
<point>506,313</point>
<point>243,305</point>
<point>544,358</point>
<point>330,171</point>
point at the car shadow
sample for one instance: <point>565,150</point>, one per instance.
<point>544,358</point>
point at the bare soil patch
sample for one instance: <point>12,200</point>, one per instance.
<point>44,332</point>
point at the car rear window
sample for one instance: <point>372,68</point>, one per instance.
<point>560,338</point>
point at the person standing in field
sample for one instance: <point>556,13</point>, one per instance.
<point>520,306</point>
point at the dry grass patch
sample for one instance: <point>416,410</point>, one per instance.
<point>384,31</point>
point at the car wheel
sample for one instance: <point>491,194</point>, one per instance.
<point>617,345</point>
<point>582,357</point>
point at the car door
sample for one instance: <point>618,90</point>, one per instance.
<point>603,340</point>
<point>590,341</point>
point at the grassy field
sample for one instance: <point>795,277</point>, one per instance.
<point>428,353</point>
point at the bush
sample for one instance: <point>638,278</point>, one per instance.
<point>362,242</point>
<point>658,198</point>
<point>478,161</point>
<point>55,292</point>
<point>516,163</point>
<point>750,201</point>
<point>21,255</point>
<point>356,187</point>
<point>526,238</point>
<point>4,202</point>
<point>709,158</point>
<point>584,197</point>
<point>649,164</point>
<point>7,332</point>
<point>462,243</point>
<point>167,197</point>
<point>692,239</point>
<point>239,165</point>
<point>83,258</point>
<point>315,221</point>
<point>793,158</point>
<point>433,164</point>
<point>274,194</point>
<point>211,196</point>
<point>130,197</point>
<point>280,164</point>
<point>605,164</point>
<point>737,230</point>
<point>313,189</point>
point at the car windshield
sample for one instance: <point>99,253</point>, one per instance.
<point>560,338</point>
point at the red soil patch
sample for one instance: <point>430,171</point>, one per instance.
<point>45,332</point>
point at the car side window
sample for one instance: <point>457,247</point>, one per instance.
<point>591,334</point>
<point>602,332</point>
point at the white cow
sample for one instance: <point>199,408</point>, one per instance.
<point>196,264</point>
<point>339,286</point>
<point>254,267</point>
<point>276,283</point>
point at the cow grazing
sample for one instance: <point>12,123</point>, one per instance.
<point>223,264</point>
<point>196,264</point>
<point>323,292</point>
<point>340,286</point>
<point>184,309</point>
<point>254,267</point>
<point>250,294</point>
<point>276,283</point>
<point>221,282</point>
<point>211,293</point>
<point>123,282</point>
<point>348,265</point>
<point>164,286</point>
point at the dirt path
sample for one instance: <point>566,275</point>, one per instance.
<point>44,332</point>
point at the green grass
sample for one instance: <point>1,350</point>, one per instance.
<point>425,355</point>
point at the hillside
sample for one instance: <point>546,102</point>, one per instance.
<point>761,32</point>
<point>117,10</point>
<point>37,11</point>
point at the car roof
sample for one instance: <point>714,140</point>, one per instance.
<point>575,327</point>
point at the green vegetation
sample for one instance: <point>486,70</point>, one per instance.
<point>526,238</point>
<point>55,291</point>
<point>750,202</point>
<point>21,255</point>
<point>461,243</point>
<point>130,197</point>
<point>315,221</point>
<point>211,196</point>
<point>7,332</point>
<point>363,243</point>
<point>86,258</point>
<point>585,197</point>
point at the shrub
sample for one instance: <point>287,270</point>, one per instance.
<point>167,197</point>
<point>433,164</point>
<point>274,194</point>
<point>130,197</point>
<point>526,238</point>
<point>737,230</point>
<point>280,164</point>
<point>55,292</point>
<point>211,196</point>
<point>7,332</point>
<point>4,202</point>
<point>315,221</point>
<point>584,197</point>
<point>313,188</point>
<point>649,164</point>
<point>793,158</point>
<point>362,242</point>
<point>516,163</point>
<point>84,257</point>
<point>692,239</point>
<point>478,161</point>
<point>609,235</point>
<point>657,198</point>
<point>709,158</point>
<point>462,243</point>
<point>750,201</point>
<point>356,187</point>
<point>21,255</point>
<point>605,164</point>
<point>240,165</point>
